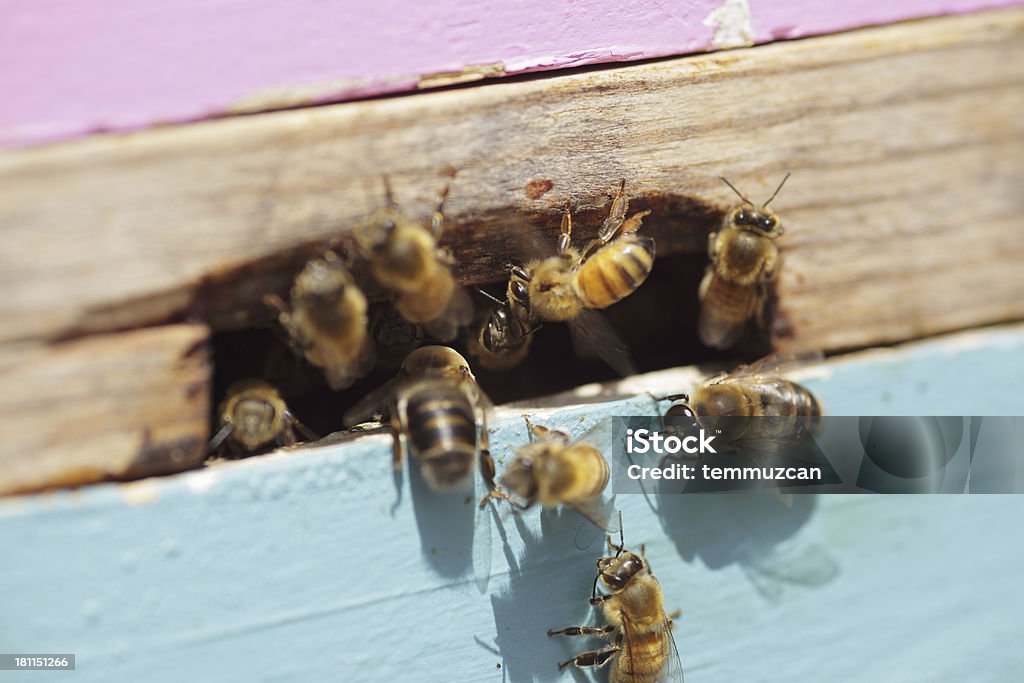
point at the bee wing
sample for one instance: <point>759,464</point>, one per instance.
<point>593,335</point>
<point>775,364</point>
<point>671,669</point>
<point>769,568</point>
<point>482,541</point>
<point>600,511</point>
<point>372,403</point>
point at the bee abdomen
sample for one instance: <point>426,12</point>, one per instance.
<point>724,311</point>
<point>442,435</point>
<point>585,473</point>
<point>615,271</point>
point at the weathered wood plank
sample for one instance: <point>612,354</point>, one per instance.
<point>119,406</point>
<point>903,215</point>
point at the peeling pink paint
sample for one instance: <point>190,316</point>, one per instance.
<point>72,68</point>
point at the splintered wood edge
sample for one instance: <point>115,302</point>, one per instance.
<point>900,139</point>
<point>119,407</point>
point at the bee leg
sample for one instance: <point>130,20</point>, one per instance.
<point>437,218</point>
<point>565,237</point>
<point>296,425</point>
<point>542,431</point>
<point>582,631</point>
<point>596,658</point>
<point>616,215</point>
<point>633,223</point>
<point>219,439</point>
<point>705,283</point>
<point>600,599</point>
<point>713,246</point>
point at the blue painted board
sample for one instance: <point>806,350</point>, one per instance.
<point>311,565</point>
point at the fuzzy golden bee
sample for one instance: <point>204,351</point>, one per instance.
<point>641,648</point>
<point>254,417</point>
<point>405,259</point>
<point>327,320</point>
<point>572,284</point>
<point>787,411</point>
<point>552,470</point>
<point>433,405</point>
<point>744,261</point>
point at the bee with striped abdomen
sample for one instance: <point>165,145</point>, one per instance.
<point>573,284</point>
<point>554,470</point>
<point>642,649</point>
<point>405,259</point>
<point>433,405</point>
<point>254,417</point>
<point>744,261</point>
<point>327,320</point>
<point>784,410</point>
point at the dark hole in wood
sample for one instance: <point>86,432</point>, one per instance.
<point>658,322</point>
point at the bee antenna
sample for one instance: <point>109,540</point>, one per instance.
<point>388,195</point>
<point>593,592</point>
<point>493,298</point>
<point>733,188</point>
<point>788,173</point>
<point>622,540</point>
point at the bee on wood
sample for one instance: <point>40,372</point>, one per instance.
<point>744,261</point>
<point>784,416</point>
<point>571,285</point>
<point>553,470</point>
<point>641,648</point>
<point>432,406</point>
<point>405,259</point>
<point>327,320</point>
<point>254,417</point>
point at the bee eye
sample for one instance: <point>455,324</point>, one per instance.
<point>614,581</point>
<point>679,410</point>
<point>389,225</point>
<point>741,217</point>
<point>768,223</point>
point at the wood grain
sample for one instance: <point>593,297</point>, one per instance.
<point>903,214</point>
<point>120,406</point>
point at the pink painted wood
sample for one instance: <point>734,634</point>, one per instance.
<point>72,68</point>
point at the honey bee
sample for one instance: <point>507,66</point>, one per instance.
<point>327,320</point>
<point>393,336</point>
<point>432,406</point>
<point>552,470</point>
<point>405,259</point>
<point>744,261</point>
<point>572,284</point>
<point>502,339</point>
<point>642,649</point>
<point>786,412</point>
<point>254,417</point>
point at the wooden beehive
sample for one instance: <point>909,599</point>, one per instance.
<point>135,265</point>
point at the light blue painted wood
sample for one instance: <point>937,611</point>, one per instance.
<point>302,567</point>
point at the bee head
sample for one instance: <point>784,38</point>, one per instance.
<point>434,362</point>
<point>616,572</point>
<point>374,235</point>
<point>749,216</point>
<point>519,478</point>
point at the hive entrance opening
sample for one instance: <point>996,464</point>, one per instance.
<point>658,322</point>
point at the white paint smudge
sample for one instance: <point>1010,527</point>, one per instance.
<point>731,24</point>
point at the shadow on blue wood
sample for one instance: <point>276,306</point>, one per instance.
<point>300,565</point>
